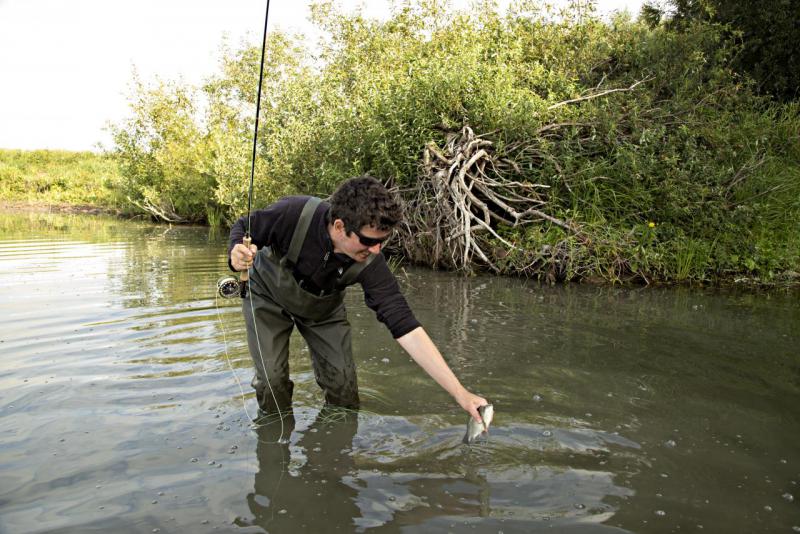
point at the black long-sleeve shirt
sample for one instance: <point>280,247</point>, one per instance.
<point>274,226</point>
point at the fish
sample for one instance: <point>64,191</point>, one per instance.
<point>474,428</point>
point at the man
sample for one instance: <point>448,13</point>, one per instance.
<point>303,255</point>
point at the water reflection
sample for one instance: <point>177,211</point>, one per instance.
<point>348,472</point>
<point>299,484</point>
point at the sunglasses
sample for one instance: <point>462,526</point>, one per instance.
<point>371,241</point>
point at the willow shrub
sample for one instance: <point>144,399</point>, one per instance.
<point>690,149</point>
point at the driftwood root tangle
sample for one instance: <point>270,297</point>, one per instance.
<point>465,194</point>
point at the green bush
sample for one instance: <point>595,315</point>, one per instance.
<point>681,140</point>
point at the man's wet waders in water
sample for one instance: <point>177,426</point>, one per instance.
<point>278,304</point>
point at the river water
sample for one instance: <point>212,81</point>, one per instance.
<point>616,409</point>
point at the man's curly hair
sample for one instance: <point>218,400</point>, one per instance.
<point>364,201</point>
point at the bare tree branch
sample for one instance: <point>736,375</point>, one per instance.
<point>596,95</point>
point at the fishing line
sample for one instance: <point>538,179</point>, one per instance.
<point>228,358</point>
<point>264,366</point>
<point>255,425</point>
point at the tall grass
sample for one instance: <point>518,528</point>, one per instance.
<point>55,176</point>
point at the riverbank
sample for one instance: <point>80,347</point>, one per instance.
<point>61,181</point>
<point>10,206</point>
<point>84,183</point>
<point>787,280</point>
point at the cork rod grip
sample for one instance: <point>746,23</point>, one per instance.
<point>246,273</point>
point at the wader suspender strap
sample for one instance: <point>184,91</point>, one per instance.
<point>299,235</point>
<point>350,275</point>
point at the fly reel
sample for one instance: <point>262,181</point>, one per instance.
<point>229,287</point>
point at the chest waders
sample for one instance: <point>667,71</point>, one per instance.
<point>279,303</point>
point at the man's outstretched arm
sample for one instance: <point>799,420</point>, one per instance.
<point>421,348</point>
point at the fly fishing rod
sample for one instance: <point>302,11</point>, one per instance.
<point>228,286</point>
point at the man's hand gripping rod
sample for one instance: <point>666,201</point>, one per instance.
<point>229,287</point>
<point>245,276</point>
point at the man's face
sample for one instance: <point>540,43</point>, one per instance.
<point>352,244</point>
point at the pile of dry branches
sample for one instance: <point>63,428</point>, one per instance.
<point>465,193</point>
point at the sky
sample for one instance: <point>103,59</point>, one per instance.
<point>66,66</point>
